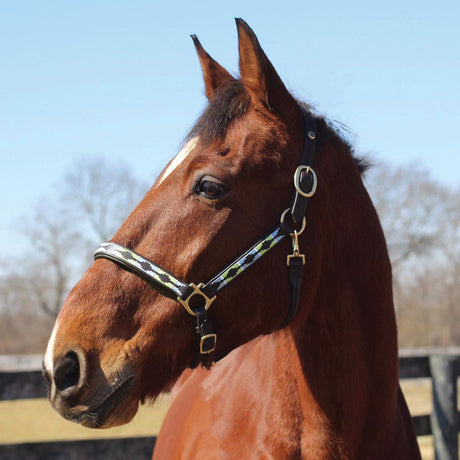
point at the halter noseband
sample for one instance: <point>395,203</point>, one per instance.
<point>196,299</point>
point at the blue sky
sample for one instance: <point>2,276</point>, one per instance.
<point>121,80</point>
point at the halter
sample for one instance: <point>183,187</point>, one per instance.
<point>196,299</point>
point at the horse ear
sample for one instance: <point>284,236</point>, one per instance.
<point>214,74</point>
<point>259,76</point>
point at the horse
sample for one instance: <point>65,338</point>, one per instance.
<point>290,350</point>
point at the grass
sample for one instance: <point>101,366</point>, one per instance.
<point>33,420</point>
<point>420,402</point>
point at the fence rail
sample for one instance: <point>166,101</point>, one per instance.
<point>98,449</point>
<point>443,423</point>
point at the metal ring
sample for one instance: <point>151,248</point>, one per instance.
<point>196,291</point>
<point>297,175</point>
<point>302,228</point>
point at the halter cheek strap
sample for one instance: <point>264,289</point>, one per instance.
<point>305,183</point>
<point>196,299</point>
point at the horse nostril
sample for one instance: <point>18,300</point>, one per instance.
<point>66,371</point>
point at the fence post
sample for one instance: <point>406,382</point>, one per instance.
<point>444,417</point>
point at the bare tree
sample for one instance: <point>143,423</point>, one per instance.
<point>46,269</point>
<point>421,220</point>
<point>88,206</point>
<point>101,195</point>
<point>407,200</point>
<point>449,268</point>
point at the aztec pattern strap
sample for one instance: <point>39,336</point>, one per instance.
<point>163,281</point>
<point>246,260</point>
<point>169,285</point>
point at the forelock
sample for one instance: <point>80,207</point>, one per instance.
<point>229,104</point>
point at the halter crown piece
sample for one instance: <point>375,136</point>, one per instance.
<point>196,299</point>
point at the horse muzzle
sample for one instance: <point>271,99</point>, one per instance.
<point>93,401</point>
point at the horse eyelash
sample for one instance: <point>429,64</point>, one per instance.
<point>224,152</point>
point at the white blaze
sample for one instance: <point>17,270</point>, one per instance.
<point>48,360</point>
<point>179,158</point>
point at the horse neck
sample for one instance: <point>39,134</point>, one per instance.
<point>345,333</point>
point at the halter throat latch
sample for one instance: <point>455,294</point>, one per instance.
<point>197,304</point>
<point>208,339</point>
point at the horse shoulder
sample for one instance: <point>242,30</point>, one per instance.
<point>240,402</point>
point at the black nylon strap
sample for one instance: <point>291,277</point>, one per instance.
<point>204,330</point>
<point>296,271</point>
<point>299,205</point>
<point>299,202</point>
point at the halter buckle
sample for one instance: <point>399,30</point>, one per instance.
<point>297,177</point>
<point>196,291</point>
<point>208,343</point>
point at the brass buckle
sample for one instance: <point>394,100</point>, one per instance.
<point>202,341</point>
<point>297,175</point>
<point>196,291</point>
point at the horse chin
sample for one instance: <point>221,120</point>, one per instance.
<point>118,408</point>
<point>118,415</point>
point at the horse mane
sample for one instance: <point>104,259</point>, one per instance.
<point>231,102</point>
<point>342,133</point>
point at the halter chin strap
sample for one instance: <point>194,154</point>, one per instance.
<point>196,299</point>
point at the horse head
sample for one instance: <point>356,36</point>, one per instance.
<point>118,341</point>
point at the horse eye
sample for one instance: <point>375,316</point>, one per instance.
<point>209,188</point>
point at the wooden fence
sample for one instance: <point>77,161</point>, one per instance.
<point>443,423</point>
